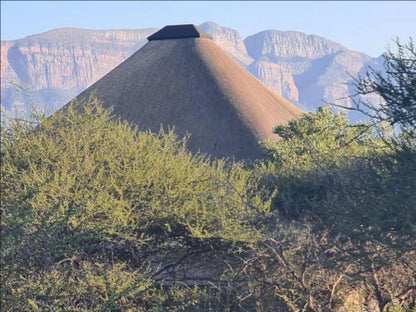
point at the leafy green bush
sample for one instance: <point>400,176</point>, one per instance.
<point>347,184</point>
<point>97,216</point>
<point>93,210</point>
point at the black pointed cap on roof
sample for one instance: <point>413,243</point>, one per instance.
<point>178,32</point>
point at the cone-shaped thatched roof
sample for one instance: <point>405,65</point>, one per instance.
<point>191,84</point>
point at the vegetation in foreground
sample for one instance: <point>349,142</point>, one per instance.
<point>97,216</point>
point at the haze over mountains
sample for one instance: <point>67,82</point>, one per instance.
<point>57,65</point>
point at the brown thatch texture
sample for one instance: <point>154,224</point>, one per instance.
<point>193,85</point>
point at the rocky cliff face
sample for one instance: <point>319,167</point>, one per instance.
<point>278,45</point>
<point>276,77</point>
<point>57,65</point>
<point>310,71</point>
<point>229,40</point>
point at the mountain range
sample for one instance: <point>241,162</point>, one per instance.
<point>55,66</point>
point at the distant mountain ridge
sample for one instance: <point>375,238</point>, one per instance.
<point>307,70</point>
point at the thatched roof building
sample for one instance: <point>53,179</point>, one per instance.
<point>181,78</point>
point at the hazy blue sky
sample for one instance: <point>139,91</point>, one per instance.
<point>363,26</point>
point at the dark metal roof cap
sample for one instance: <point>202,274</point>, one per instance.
<point>178,32</point>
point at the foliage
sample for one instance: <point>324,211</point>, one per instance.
<point>355,183</point>
<point>350,202</point>
<point>396,86</point>
<point>98,216</point>
<point>318,138</point>
<point>93,199</point>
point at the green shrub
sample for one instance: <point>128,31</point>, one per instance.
<point>116,204</point>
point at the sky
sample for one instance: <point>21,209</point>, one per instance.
<point>365,26</point>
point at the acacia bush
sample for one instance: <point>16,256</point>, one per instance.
<point>351,198</point>
<point>356,185</point>
<point>98,216</point>
<point>90,206</point>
